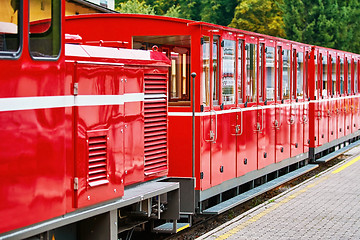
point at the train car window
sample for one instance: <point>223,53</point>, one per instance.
<point>279,73</point>
<point>45,29</point>
<point>240,71</point>
<point>10,27</point>
<point>300,75</point>
<point>206,71</point>
<point>286,75</point>
<point>356,90</point>
<point>317,77</point>
<point>251,72</point>
<point>341,76</point>
<point>333,76</point>
<point>270,73</point>
<point>261,71</point>
<point>349,77</point>
<point>324,76</point>
<point>215,70</point>
<point>306,75</point>
<point>228,72</point>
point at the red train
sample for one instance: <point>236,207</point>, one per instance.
<point>102,134</point>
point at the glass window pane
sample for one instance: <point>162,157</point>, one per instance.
<point>324,76</point>
<point>356,77</point>
<point>333,76</point>
<point>9,27</point>
<point>349,77</point>
<point>317,79</point>
<point>279,73</point>
<point>261,71</point>
<point>239,66</point>
<point>228,72</point>
<point>45,28</point>
<point>270,73</point>
<point>286,75</point>
<point>206,72</point>
<point>341,76</point>
<point>251,72</point>
<point>300,75</point>
<point>215,73</point>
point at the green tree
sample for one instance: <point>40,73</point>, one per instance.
<point>218,12</point>
<point>261,16</point>
<point>134,6</point>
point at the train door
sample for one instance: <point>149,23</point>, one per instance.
<point>341,101</point>
<point>348,93</point>
<point>247,142</point>
<point>332,114</point>
<point>355,99</point>
<point>283,103</point>
<point>297,102</point>
<point>227,116</point>
<point>323,104</point>
<point>266,111</point>
<point>305,119</point>
<point>208,119</point>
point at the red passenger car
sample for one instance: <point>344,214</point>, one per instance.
<point>263,105</point>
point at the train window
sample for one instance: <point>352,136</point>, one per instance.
<point>215,70</point>
<point>324,76</point>
<point>270,73</point>
<point>251,72</point>
<point>261,71</point>
<point>10,27</point>
<point>178,86</point>
<point>286,75</point>
<point>333,76</point>
<point>341,76</point>
<point>279,73</point>
<point>349,77</point>
<point>356,90</point>
<point>206,71</point>
<point>306,74</point>
<point>317,77</point>
<point>300,75</point>
<point>239,67</point>
<point>45,29</point>
<point>228,72</point>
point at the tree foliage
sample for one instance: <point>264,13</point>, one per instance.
<point>261,16</point>
<point>134,6</point>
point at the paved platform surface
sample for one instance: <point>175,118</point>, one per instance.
<point>326,206</point>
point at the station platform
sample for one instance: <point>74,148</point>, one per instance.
<point>326,206</point>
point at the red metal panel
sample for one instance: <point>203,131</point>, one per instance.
<point>306,127</point>
<point>99,121</point>
<point>340,118</point>
<point>208,124</point>
<point>296,129</point>
<point>228,167</point>
<point>355,114</point>
<point>323,122</point>
<point>282,115</point>
<point>266,137</point>
<point>134,127</point>
<point>217,150</point>
<point>332,120</point>
<point>246,156</point>
<point>347,115</point>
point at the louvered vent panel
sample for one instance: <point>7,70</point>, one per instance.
<point>155,123</point>
<point>97,160</point>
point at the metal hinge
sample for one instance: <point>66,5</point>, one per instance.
<point>201,175</point>
<point>76,89</point>
<point>76,183</point>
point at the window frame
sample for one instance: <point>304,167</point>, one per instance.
<point>8,55</point>
<point>48,58</point>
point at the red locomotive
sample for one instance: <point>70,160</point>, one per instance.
<point>100,125</point>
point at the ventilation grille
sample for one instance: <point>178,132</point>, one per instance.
<point>155,124</point>
<point>97,160</point>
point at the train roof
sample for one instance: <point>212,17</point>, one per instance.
<point>172,24</point>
